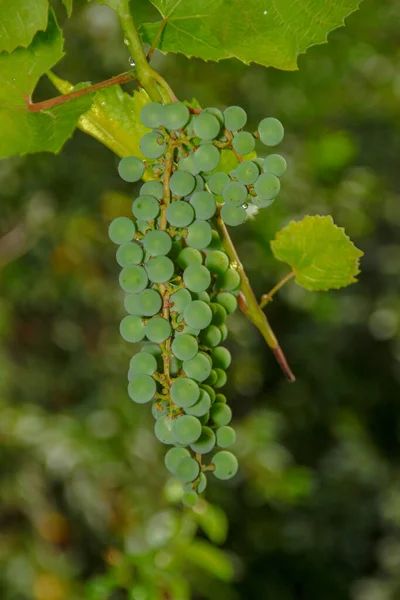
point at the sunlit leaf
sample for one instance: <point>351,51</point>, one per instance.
<point>20,20</point>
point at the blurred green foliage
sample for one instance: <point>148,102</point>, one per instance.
<point>87,509</point>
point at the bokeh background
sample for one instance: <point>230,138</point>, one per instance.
<point>87,508</point>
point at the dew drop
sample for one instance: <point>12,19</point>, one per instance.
<point>265,12</point>
<point>131,61</point>
<point>126,41</point>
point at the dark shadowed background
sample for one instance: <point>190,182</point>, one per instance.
<point>87,508</point>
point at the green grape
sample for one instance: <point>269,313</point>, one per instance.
<point>233,215</point>
<point>157,243</point>
<point>129,254</point>
<point>271,131</point>
<point>190,499</point>
<point>130,168</point>
<point>206,126</point>
<point>216,112</point>
<point>187,163</point>
<point>226,465</point>
<point>158,330</point>
<point>132,328</point>
<point>133,279</point>
<point>201,486</point>
<point>199,184</point>
<point>217,262</point>
<point>218,314</point>
<point>224,332</point>
<point>188,468</point>
<point>152,145</point>
<point>276,164</point>
<point>151,115</point>
<point>226,436</point>
<point>184,392</point>
<point>143,226</point>
<point>159,408</point>
<point>247,172</point>
<point>207,157</point>
<point>209,391</point>
<point>197,368</point>
<point>152,188</point>
<point>143,364</point>
<point>142,388</point>
<point>221,357</point>
<point>189,256</point>
<point>152,349</point>
<point>175,115</point>
<point>199,235</point>
<point>182,183</point>
<point>121,230</point>
<point>185,347</point>
<point>150,302</point>
<point>160,269</point>
<point>201,407</point>
<point>132,304</point>
<point>203,296</point>
<point>235,193</point>
<point>185,329</point>
<point>175,366</point>
<point>221,378</point>
<point>267,186</point>
<point>204,205</point>
<point>215,243</point>
<point>180,300</point>
<point>146,208</point>
<point>206,441</point>
<point>196,278</point>
<point>197,314</point>
<point>205,418</point>
<point>221,414</point>
<point>211,336</point>
<point>228,301</point>
<point>173,457</point>
<point>180,213</point>
<point>186,430</point>
<point>243,143</point>
<point>217,182</point>
<point>229,281</point>
<point>163,430</point>
<point>220,398</point>
<point>212,378</point>
<point>261,202</point>
<point>235,118</point>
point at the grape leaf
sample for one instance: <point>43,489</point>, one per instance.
<point>68,6</point>
<point>20,20</point>
<point>23,131</point>
<point>113,118</point>
<point>268,32</point>
<point>321,255</point>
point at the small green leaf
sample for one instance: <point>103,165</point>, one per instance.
<point>321,255</point>
<point>261,31</point>
<point>68,6</point>
<point>113,118</point>
<point>24,131</point>
<point>20,20</point>
<point>211,559</point>
<point>213,522</point>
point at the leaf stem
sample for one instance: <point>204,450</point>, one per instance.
<point>266,298</point>
<point>248,302</point>
<point>51,102</point>
<point>145,74</point>
<point>157,39</point>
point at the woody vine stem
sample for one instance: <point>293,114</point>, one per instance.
<point>159,91</point>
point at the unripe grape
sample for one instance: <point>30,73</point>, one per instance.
<point>175,115</point>
<point>132,304</point>
<point>226,465</point>
<point>197,278</point>
<point>158,330</point>
<point>142,388</point>
<point>130,168</point>
<point>247,172</point>
<point>267,186</point>
<point>186,430</point>
<point>197,368</point>
<point>217,182</point>
<point>207,157</point>
<point>235,118</point>
<point>217,262</point>
<point>180,213</point>
<point>132,328</point>
<point>204,205</point>
<point>157,243</point>
<point>235,193</point>
<point>228,301</point>
<point>221,378</point>
<point>152,145</point>
<point>180,300</point>
<point>185,347</point>
<point>243,143</point>
<point>133,279</point>
<point>226,436</point>
<point>206,441</point>
<point>151,115</point>
<point>271,131</point>
<point>216,112</point>
<point>182,183</point>
<point>152,188</point>
<point>163,430</point>
<point>188,468</point>
<point>276,164</point>
<point>189,256</point>
<point>122,230</point>
<point>230,280</point>
<point>129,254</point>
<point>173,457</point>
<point>198,314</point>
<point>233,215</point>
<point>201,407</point>
<point>261,202</point>
<point>221,357</point>
<point>206,126</point>
<point>199,235</point>
<point>143,363</point>
<point>150,302</point>
<point>211,336</point>
<point>190,499</point>
<point>146,208</point>
<point>184,392</point>
<point>160,269</point>
<point>187,163</point>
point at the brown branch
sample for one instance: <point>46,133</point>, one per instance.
<point>47,104</point>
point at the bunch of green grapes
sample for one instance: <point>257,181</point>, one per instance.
<point>180,285</point>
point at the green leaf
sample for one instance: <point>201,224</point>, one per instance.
<point>68,6</point>
<point>213,522</point>
<point>20,20</point>
<point>321,255</point>
<point>24,131</point>
<point>113,118</point>
<point>211,559</point>
<point>271,33</point>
